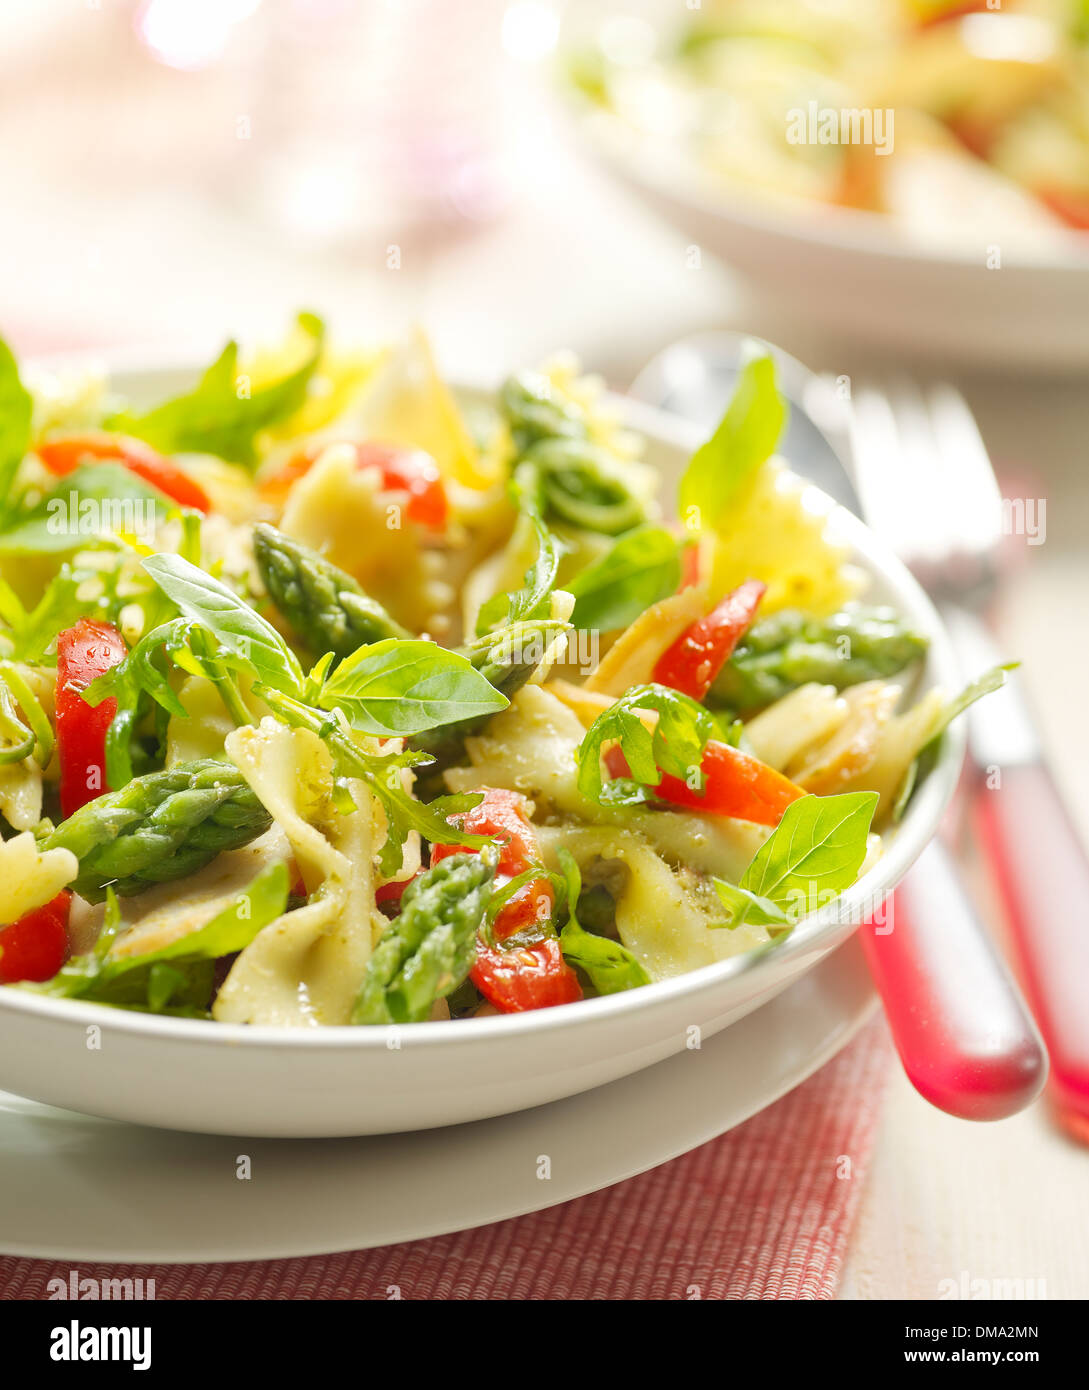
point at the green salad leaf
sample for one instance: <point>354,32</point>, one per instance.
<point>401,686</point>
<point>252,641</point>
<point>811,856</point>
<point>218,416</point>
<point>85,509</point>
<point>986,684</point>
<point>745,438</point>
<point>16,410</point>
<point>638,570</point>
<point>32,634</point>
<point>920,765</point>
<point>176,978</point>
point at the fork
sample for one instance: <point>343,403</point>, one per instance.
<point>927,485</point>
<point>964,1037</point>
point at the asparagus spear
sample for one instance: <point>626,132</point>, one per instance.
<point>506,659</point>
<point>428,949</point>
<point>325,606</point>
<point>161,826</point>
<point>789,649</point>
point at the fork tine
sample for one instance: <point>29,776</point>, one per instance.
<point>875,448</point>
<point>973,498</point>
<point>926,482</point>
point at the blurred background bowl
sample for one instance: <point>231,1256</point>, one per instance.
<point>988,285</point>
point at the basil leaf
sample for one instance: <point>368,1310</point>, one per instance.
<point>674,745</point>
<point>88,506</point>
<point>610,966</point>
<point>638,571</point>
<point>178,975</point>
<point>403,686</point>
<point>254,644</point>
<point>237,924</point>
<point>214,418</point>
<point>746,906</point>
<point>814,852</point>
<point>16,409</point>
<point>745,438</point>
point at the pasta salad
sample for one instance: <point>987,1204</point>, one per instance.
<point>331,696</point>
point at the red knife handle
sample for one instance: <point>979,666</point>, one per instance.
<point>966,1040</point>
<point>1044,877</point>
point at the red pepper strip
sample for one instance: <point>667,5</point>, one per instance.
<point>734,784</point>
<point>274,487</point>
<point>414,472</point>
<point>691,664</point>
<point>65,454</point>
<point>36,946</point>
<point>402,470</point>
<point>526,977</point>
<point>83,652</point>
<point>502,814</point>
<point>1071,204</point>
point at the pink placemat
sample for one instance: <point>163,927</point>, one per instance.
<point>763,1212</point>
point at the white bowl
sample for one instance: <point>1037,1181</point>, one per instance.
<point>853,272</point>
<point>233,1079</point>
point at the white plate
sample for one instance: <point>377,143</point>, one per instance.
<point>330,1082</point>
<point>74,1187</point>
<point>854,272</point>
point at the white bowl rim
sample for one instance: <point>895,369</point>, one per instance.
<point>918,826</point>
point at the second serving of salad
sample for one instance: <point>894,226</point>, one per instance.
<point>329,696</point>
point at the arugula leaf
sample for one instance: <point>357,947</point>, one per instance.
<point>179,974</point>
<point>17,692</point>
<point>639,570</point>
<point>86,508</point>
<point>13,732</point>
<point>401,687</point>
<point>745,438</point>
<point>32,634</point>
<point>533,600</point>
<point>16,409</point>
<point>252,642</point>
<point>610,966</point>
<point>214,418</point>
<point>384,774</point>
<point>812,855</point>
<point>675,744</point>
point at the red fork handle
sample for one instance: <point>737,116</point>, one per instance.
<point>1044,876</point>
<point>965,1038</point>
